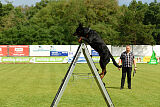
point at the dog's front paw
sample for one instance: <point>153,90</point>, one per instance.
<point>80,40</point>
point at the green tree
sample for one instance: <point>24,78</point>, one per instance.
<point>54,22</point>
<point>132,29</point>
<point>152,16</point>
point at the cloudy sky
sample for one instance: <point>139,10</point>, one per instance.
<point>126,2</point>
<point>32,2</point>
<point>21,2</point>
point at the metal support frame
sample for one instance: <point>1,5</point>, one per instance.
<point>82,49</point>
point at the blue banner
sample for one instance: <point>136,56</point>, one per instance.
<point>58,53</point>
<point>80,60</point>
<point>94,53</point>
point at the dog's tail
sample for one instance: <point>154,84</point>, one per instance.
<point>114,62</point>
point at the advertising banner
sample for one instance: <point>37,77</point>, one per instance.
<point>62,59</point>
<point>80,60</point>
<point>40,50</point>
<point>58,53</point>
<point>15,59</point>
<point>18,50</point>
<point>96,59</point>
<point>47,50</point>
<point>139,59</point>
<point>65,53</point>
<point>60,47</point>
<point>146,59</point>
<point>3,50</point>
<point>72,52</point>
<point>94,53</point>
<point>95,56</point>
<point>153,59</point>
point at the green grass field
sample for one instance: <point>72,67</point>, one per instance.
<point>35,85</point>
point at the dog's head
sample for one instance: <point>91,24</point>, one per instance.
<point>79,30</point>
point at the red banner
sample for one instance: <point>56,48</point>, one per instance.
<point>3,50</point>
<point>18,50</point>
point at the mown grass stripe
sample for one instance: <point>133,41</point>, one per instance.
<point>35,85</point>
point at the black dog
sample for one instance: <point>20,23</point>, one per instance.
<point>95,41</point>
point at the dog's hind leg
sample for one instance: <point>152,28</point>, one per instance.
<point>103,73</point>
<point>103,62</point>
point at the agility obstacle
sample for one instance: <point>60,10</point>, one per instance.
<point>82,49</point>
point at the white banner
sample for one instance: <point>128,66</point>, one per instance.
<point>156,48</point>
<point>60,47</point>
<point>44,50</point>
<point>142,50</point>
<point>40,50</point>
<point>117,51</point>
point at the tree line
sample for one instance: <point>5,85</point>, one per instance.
<point>52,22</point>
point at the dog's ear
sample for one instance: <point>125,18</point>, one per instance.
<point>81,25</point>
